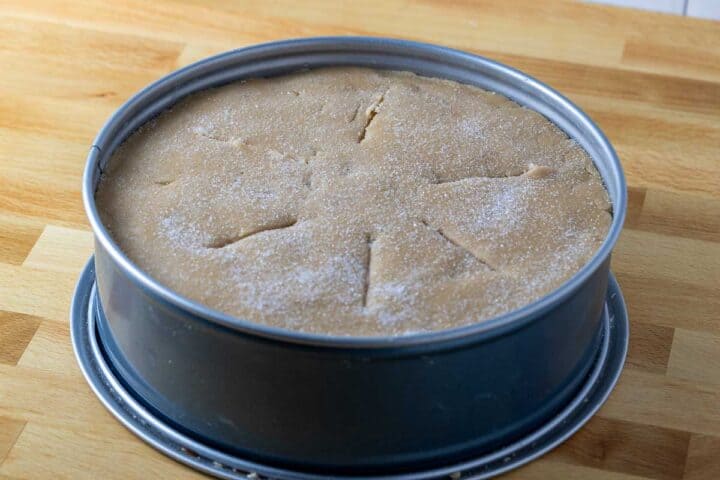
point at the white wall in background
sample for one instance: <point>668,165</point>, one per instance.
<point>666,6</point>
<point>694,8</point>
<point>703,8</point>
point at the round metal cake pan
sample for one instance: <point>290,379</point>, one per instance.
<point>349,405</point>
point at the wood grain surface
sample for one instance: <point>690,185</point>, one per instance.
<point>651,81</point>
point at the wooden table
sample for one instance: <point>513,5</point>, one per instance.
<point>651,81</point>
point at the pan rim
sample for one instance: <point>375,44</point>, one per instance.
<point>485,329</point>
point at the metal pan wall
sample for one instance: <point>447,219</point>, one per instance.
<point>349,404</point>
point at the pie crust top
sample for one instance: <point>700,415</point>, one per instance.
<point>349,201</point>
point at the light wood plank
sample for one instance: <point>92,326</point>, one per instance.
<point>699,60</point>
<point>50,350</point>
<point>626,447</point>
<point>546,469</point>
<point>683,215</point>
<point>703,461</point>
<point>9,431</point>
<point>41,56</point>
<point>36,292</point>
<point>695,356</point>
<point>670,303</point>
<point>17,236</point>
<point>51,250</point>
<point>653,399</point>
<point>649,346</point>
<point>44,397</point>
<point>681,260</point>
<point>16,331</point>
<point>42,452</point>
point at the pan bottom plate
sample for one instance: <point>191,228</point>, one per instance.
<point>121,403</point>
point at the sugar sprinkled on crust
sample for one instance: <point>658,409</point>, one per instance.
<point>349,201</point>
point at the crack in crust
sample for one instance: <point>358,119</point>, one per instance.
<point>164,183</point>
<point>532,171</point>
<point>370,114</point>
<point>307,179</point>
<point>213,137</point>
<point>369,240</point>
<point>475,177</point>
<point>223,242</point>
<point>457,244</point>
<point>354,114</point>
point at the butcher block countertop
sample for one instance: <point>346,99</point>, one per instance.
<point>651,81</point>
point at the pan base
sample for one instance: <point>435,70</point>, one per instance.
<point>121,403</point>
